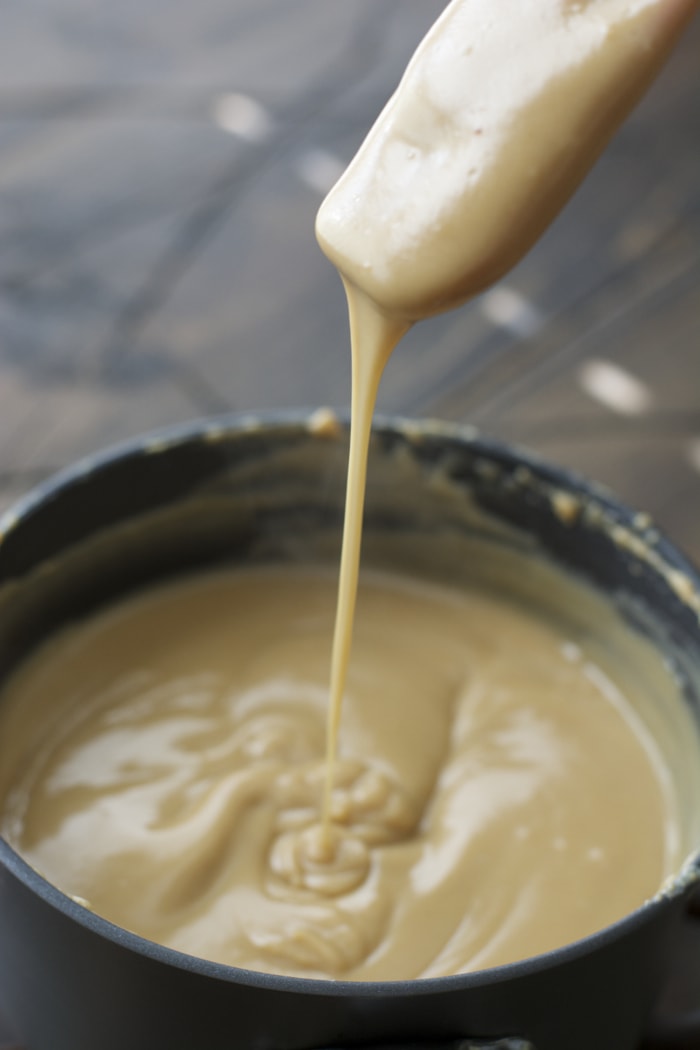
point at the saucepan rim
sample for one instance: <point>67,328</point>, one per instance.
<point>666,557</point>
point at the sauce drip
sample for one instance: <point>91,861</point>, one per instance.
<point>373,337</point>
<point>495,123</point>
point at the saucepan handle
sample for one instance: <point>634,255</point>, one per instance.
<point>678,1027</point>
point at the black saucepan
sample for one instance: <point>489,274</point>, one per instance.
<point>269,488</point>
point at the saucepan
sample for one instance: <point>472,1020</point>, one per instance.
<point>270,488</point>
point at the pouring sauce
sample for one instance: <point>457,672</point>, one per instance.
<point>499,116</point>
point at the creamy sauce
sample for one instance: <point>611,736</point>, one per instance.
<point>496,121</point>
<point>502,111</point>
<point>165,762</point>
<point>373,337</point>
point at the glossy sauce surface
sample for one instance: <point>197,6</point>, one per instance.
<point>165,762</point>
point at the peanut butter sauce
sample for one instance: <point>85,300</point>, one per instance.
<point>495,794</point>
<point>500,114</point>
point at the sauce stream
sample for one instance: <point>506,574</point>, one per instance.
<point>495,123</point>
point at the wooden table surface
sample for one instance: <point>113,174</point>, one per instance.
<point>161,164</point>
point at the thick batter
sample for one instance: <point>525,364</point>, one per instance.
<point>495,795</point>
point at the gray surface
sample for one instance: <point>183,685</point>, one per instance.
<point>154,266</point>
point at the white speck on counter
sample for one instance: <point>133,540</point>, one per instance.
<point>319,170</point>
<point>508,309</point>
<point>614,387</point>
<point>242,116</point>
